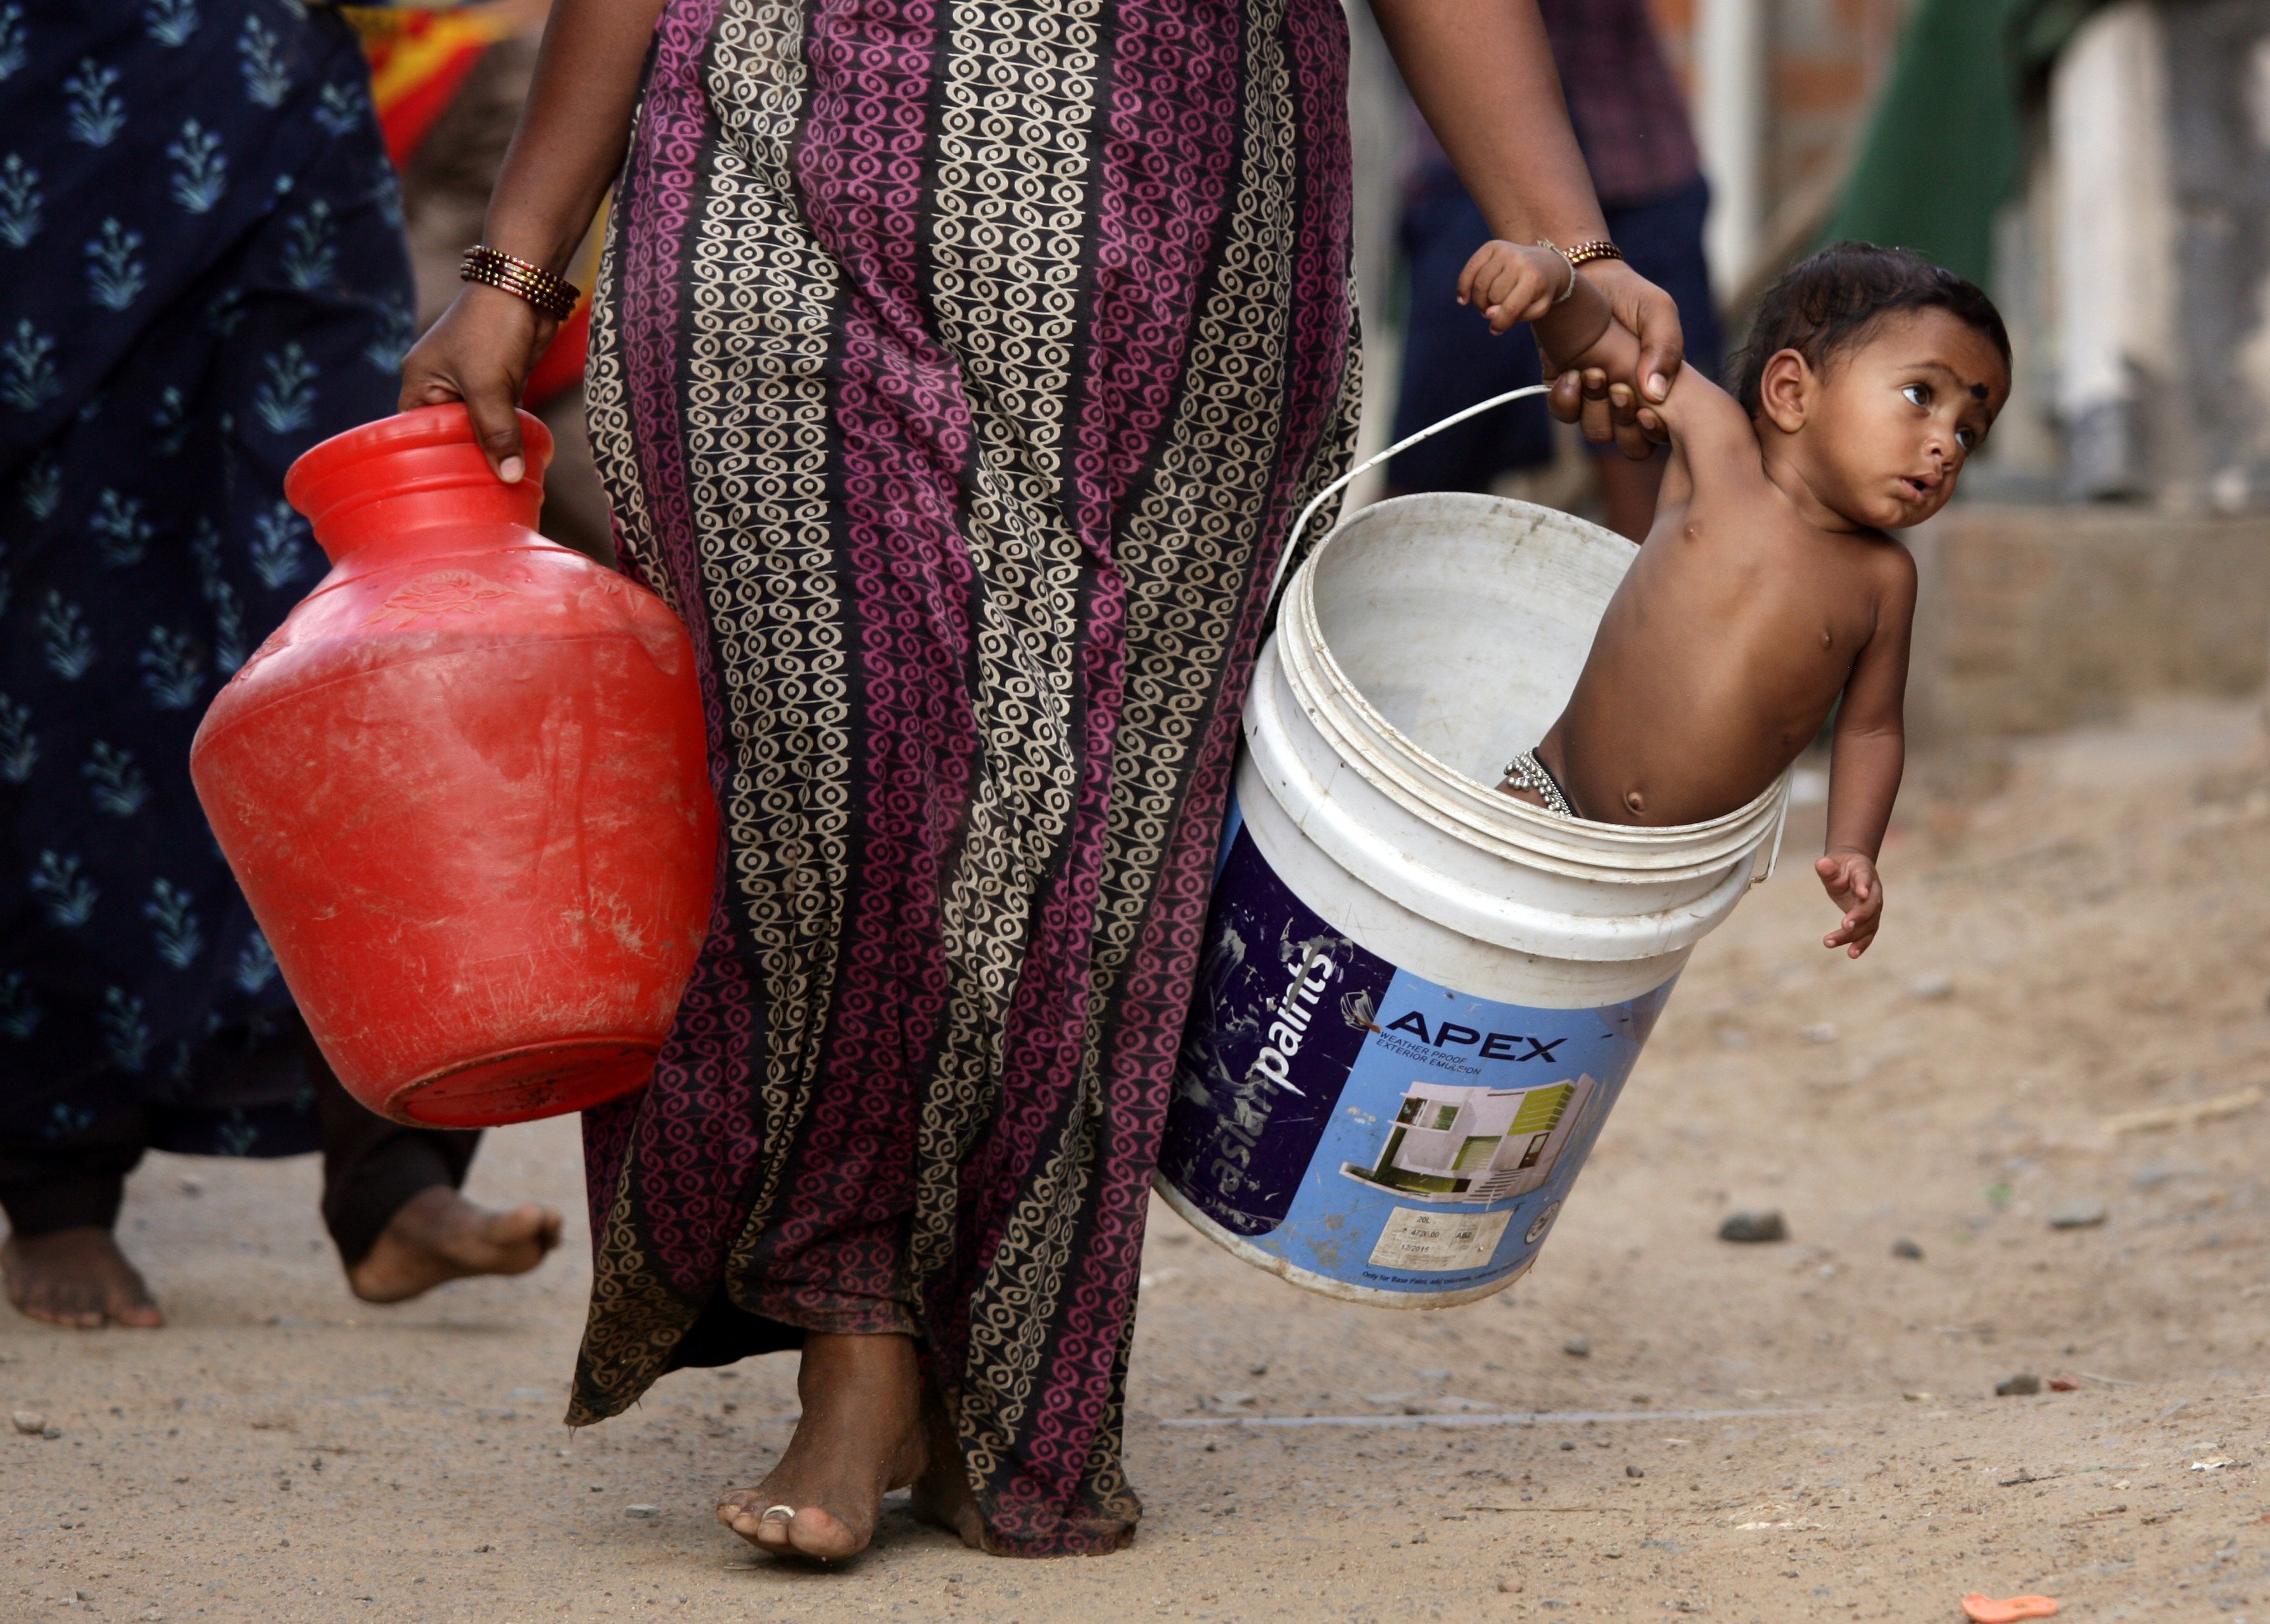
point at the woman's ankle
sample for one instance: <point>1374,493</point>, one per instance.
<point>883,1360</point>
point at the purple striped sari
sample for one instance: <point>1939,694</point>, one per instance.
<point>958,368</point>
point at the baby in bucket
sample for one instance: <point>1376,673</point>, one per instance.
<point>1769,591</point>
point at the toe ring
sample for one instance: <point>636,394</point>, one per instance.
<point>778,1514</point>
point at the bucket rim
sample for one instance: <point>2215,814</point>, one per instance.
<point>1442,790</point>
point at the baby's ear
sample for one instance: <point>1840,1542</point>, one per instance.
<point>1785,391</point>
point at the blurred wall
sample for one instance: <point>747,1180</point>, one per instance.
<point>1822,62</point>
<point>2216,444</point>
<point>2036,618</point>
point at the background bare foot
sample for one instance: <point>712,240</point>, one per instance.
<point>860,1437</point>
<point>439,1236</point>
<point>78,1278</point>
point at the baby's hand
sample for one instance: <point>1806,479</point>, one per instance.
<point>1512,284</point>
<point>1851,883</point>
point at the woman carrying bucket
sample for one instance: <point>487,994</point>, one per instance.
<point>956,373</point>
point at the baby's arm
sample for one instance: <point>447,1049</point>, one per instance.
<point>1509,283</point>
<point>1865,762</point>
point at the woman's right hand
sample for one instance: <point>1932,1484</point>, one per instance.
<point>1620,409</point>
<point>481,353</point>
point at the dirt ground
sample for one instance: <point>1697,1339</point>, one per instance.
<point>1801,1430</point>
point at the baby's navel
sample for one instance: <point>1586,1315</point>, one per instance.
<point>1634,801</point>
<point>1825,641</point>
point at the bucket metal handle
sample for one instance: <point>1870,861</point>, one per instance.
<point>1292,540</point>
<point>1293,544</point>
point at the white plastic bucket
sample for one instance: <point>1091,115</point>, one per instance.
<point>1419,998</point>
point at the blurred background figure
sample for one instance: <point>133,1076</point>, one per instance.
<point>2098,165</point>
<point>202,253</point>
<point>1631,122</point>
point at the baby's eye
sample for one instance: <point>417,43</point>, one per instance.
<point>1918,394</point>
<point>1967,438</point>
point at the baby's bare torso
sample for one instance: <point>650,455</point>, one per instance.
<point>1718,659</point>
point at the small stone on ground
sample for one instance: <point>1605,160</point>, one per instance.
<point>1753,1227</point>
<point>2078,1215</point>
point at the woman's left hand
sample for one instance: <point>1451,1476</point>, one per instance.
<point>1604,413</point>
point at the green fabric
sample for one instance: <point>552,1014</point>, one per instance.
<point>1945,146</point>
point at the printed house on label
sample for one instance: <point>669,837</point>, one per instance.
<point>1473,1147</point>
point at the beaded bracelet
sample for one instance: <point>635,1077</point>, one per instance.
<point>554,296</point>
<point>1598,247</point>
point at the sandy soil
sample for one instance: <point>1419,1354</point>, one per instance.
<point>1800,1430</point>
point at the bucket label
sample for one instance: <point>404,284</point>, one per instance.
<point>1364,1124</point>
<point>1415,1238</point>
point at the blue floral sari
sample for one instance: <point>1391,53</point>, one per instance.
<point>202,274</point>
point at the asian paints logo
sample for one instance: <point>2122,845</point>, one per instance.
<point>1289,1020</point>
<point>1238,1129</point>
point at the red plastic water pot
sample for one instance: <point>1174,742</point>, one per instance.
<point>466,789</point>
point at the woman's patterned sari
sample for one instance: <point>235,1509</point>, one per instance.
<point>958,366</point>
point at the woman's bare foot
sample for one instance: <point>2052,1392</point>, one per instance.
<point>860,1437</point>
<point>439,1236</point>
<point>942,1497</point>
<point>77,1277</point>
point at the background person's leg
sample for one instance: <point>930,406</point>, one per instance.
<point>1662,242</point>
<point>310,356</point>
<point>61,1197</point>
<point>373,1167</point>
<point>390,1202</point>
<point>1451,360</point>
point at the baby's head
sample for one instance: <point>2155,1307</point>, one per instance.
<point>1877,373</point>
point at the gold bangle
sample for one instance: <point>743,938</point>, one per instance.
<point>554,296</point>
<point>1598,247</point>
<point>1551,247</point>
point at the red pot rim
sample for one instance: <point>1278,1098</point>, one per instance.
<point>419,429</point>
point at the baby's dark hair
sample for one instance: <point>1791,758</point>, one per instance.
<point>1831,302</point>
